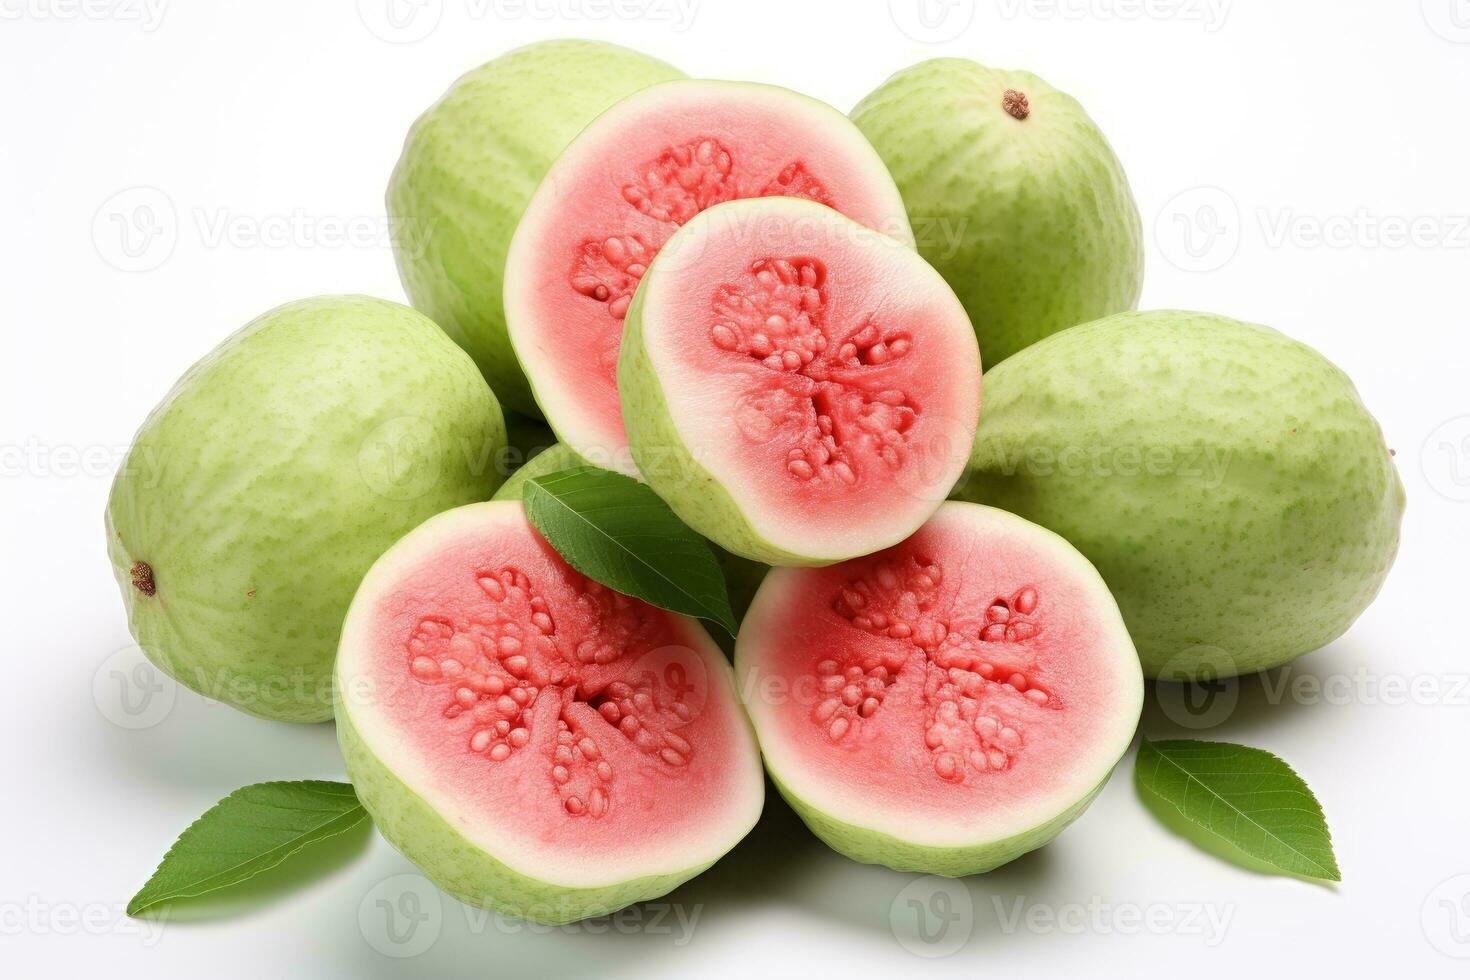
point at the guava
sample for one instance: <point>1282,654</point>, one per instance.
<point>272,476</point>
<point>469,166</point>
<point>633,177</point>
<point>799,389</point>
<point>1225,479</point>
<point>1014,194</point>
<point>742,576</point>
<point>536,743</point>
<point>944,705</point>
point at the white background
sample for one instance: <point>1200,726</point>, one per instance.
<point>1279,153</point>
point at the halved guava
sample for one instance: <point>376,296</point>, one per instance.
<point>535,742</point>
<point>945,705</point>
<point>799,388</point>
<point>636,174</point>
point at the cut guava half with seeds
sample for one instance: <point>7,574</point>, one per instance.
<point>633,177</point>
<point>537,743</point>
<point>945,705</point>
<point>799,388</point>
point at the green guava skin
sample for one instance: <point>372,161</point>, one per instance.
<point>1226,480</point>
<point>470,165</point>
<point>466,871</point>
<point>1031,221</point>
<point>742,576</point>
<point>869,846</point>
<point>272,476</point>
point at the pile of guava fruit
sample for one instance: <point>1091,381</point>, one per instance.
<point>774,317</point>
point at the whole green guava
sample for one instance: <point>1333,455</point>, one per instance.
<point>274,474</point>
<point>1225,479</point>
<point>1014,195</point>
<point>470,164</point>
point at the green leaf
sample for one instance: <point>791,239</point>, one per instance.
<point>250,831</point>
<point>1247,797</point>
<point>617,531</point>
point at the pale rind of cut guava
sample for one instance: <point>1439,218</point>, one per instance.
<point>482,865</point>
<point>470,165</point>
<point>1225,479</point>
<point>273,475</point>
<point>1031,219</point>
<point>467,871</point>
<point>859,827</point>
<point>869,846</point>
<point>716,498</point>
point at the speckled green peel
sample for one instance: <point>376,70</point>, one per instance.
<point>874,847</point>
<point>1226,480</point>
<point>468,872</point>
<point>469,166</point>
<point>1014,196</point>
<point>272,476</point>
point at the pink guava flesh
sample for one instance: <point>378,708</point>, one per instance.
<point>628,182</point>
<point>966,684</point>
<point>574,732</point>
